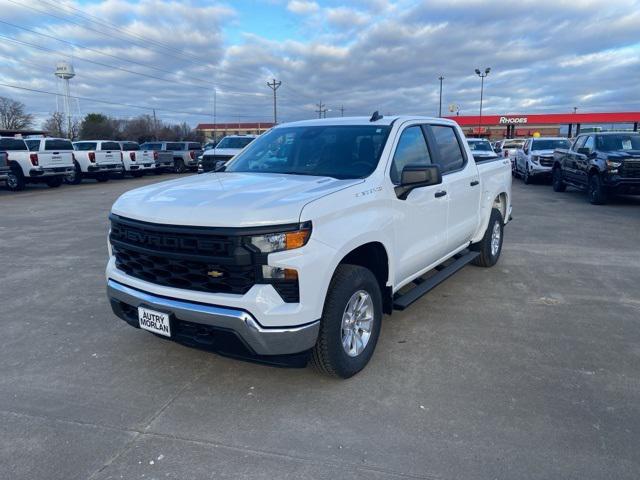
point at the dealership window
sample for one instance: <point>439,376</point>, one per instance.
<point>411,150</point>
<point>450,155</point>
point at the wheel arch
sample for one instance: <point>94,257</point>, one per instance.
<point>373,256</point>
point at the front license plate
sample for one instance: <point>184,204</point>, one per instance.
<point>156,322</point>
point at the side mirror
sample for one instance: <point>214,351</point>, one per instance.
<point>584,151</point>
<point>416,176</point>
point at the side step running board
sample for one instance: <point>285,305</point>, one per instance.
<point>425,285</point>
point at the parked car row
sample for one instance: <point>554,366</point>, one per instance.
<point>57,160</point>
<point>602,164</point>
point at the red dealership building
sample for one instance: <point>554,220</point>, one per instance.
<point>551,124</point>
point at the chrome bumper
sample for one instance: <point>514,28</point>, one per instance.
<point>104,168</point>
<point>49,171</point>
<point>260,340</point>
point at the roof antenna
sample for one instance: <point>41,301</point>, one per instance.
<point>375,117</point>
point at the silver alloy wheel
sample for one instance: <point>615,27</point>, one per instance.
<point>71,176</point>
<point>495,239</point>
<point>357,323</point>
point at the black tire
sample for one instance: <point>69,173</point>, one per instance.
<point>488,257</point>
<point>557,180</point>
<point>15,179</point>
<point>595,190</point>
<point>54,182</point>
<point>178,165</point>
<point>137,174</point>
<point>102,177</point>
<point>75,177</point>
<point>526,178</point>
<point>328,355</point>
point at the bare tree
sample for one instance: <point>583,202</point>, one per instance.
<point>55,124</point>
<point>13,115</point>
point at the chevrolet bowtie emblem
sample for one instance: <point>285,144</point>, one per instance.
<point>215,273</point>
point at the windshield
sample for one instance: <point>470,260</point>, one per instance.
<point>482,146</point>
<point>11,144</point>
<point>610,143</point>
<point>234,142</point>
<point>341,152</point>
<point>550,144</point>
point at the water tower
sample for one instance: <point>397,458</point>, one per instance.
<point>65,72</point>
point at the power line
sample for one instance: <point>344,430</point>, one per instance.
<point>322,110</point>
<point>107,102</point>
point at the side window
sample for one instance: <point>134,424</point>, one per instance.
<point>411,150</point>
<point>578,143</point>
<point>450,153</point>
<point>525,149</point>
<point>590,143</point>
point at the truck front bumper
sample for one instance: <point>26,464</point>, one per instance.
<point>199,324</point>
<point>622,185</point>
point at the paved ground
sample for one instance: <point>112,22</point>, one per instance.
<point>527,370</point>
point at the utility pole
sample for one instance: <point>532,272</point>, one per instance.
<point>575,109</point>
<point>274,86</point>
<point>322,110</point>
<point>482,76</point>
<point>155,125</point>
<point>215,106</point>
<point>441,78</point>
<point>342,110</point>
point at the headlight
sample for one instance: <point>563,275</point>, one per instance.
<point>535,159</point>
<point>276,242</point>
<point>613,165</point>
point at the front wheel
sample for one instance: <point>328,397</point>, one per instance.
<point>178,166</point>
<point>597,195</point>
<point>350,323</point>
<point>558,180</point>
<point>490,246</point>
<point>525,176</point>
<point>75,176</point>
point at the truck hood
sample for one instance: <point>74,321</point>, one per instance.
<point>222,152</point>
<point>623,154</point>
<point>227,199</point>
<point>543,153</point>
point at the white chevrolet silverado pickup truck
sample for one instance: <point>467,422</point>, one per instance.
<point>43,160</point>
<point>299,245</point>
<point>95,159</point>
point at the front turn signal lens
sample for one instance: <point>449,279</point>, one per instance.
<point>297,239</point>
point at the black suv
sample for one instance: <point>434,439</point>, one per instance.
<point>600,163</point>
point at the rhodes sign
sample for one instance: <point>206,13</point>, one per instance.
<point>512,120</point>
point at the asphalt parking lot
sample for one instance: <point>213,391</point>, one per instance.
<point>530,369</point>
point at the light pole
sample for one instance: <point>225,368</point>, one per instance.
<point>441,78</point>
<point>481,75</point>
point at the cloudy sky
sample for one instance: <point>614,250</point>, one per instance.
<point>364,55</point>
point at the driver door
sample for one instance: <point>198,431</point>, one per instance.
<point>420,226</point>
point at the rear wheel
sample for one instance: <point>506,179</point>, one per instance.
<point>74,177</point>
<point>597,195</point>
<point>15,179</point>
<point>102,177</point>
<point>350,323</point>
<point>490,246</point>
<point>54,182</point>
<point>557,180</point>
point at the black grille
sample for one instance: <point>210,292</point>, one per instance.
<point>209,161</point>
<point>192,258</point>
<point>187,274</point>
<point>546,161</point>
<point>630,169</point>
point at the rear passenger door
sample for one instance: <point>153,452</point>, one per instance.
<point>461,181</point>
<point>420,223</point>
<point>570,167</point>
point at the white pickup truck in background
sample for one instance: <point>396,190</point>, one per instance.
<point>135,160</point>
<point>95,159</point>
<point>297,247</point>
<point>161,154</point>
<point>43,160</point>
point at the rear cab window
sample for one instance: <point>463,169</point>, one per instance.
<point>195,146</point>
<point>85,146</point>
<point>175,146</point>
<point>58,144</point>
<point>130,146</point>
<point>109,146</point>
<point>12,144</point>
<point>33,145</point>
